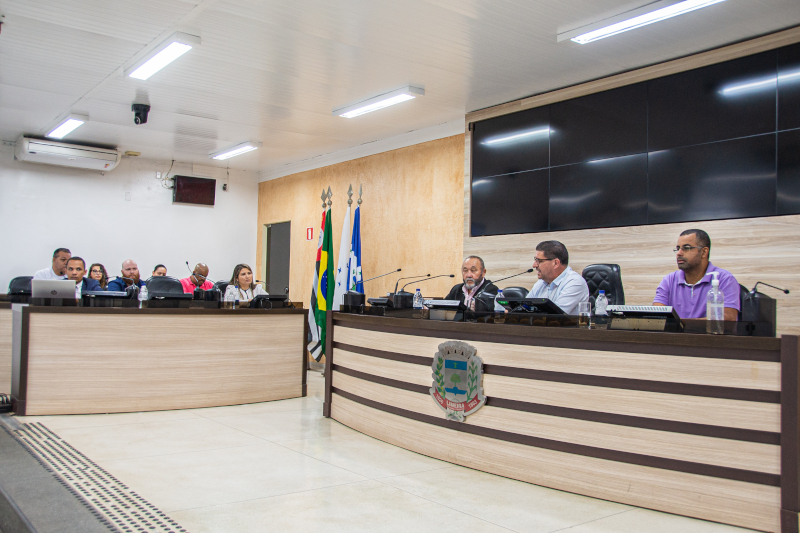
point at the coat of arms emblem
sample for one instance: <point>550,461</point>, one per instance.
<point>457,380</point>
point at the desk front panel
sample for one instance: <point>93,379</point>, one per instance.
<point>94,362</point>
<point>684,424</point>
<point>5,348</point>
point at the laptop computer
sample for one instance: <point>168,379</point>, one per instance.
<point>53,288</point>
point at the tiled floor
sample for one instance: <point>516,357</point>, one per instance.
<point>280,466</point>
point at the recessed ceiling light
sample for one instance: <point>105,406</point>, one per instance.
<point>66,126</point>
<point>162,55</point>
<point>237,149</point>
<point>655,12</point>
<point>379,102</point>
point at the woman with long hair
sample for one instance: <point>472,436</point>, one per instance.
<point>98,272</point>
<point>241,286</point>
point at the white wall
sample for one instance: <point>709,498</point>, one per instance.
<point>44,207</point>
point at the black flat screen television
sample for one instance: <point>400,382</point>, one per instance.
<point>191,190</point>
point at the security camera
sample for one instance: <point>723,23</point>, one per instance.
<point>140,113</point>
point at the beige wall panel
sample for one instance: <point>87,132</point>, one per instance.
<point>720,500</point>
<point>386,368</point>
<point>694,448</point>
<point>155,362</point>
<point>695,370</point>
<point>410,219</point>
<point>694,409</point>
<point>5,351</point>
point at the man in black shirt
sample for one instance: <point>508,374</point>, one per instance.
<point>473,272</point>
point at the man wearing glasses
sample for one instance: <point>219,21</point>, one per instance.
<point>687,288</point>
<point>197,280</point>
<point>557,281</point>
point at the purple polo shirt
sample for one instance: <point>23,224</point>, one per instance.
<point>690,301</point>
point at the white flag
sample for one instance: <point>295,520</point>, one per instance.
<point>342,272</point>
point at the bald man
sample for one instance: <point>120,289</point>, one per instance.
<point>197,279</point>
<point>128,276</point>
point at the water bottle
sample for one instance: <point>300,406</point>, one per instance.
<point>418,300</point>
<point>715,307</point>
<point>142,294</point>
<point>600,304</point>
<point>497,305</point>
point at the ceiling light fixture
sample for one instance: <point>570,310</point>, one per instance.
<point>67,126</point>
<point>237,149</point>
<point>636,18</point>
<point>379,102</point>
<point>162,55</point>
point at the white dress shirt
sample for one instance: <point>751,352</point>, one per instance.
<point>235,293</point>
<point>48,273</point>
<point>566,291</point>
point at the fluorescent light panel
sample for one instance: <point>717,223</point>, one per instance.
<point>67,126</point>
<point>233,151</point>
<point>760,84</point>
<point>379,102</point>
<point>516,137</point>
<point>650,17</point>
<point>162,55</point>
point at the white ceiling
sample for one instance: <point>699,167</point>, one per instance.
<point>273,70</point>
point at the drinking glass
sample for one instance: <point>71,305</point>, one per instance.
<point>585,315</point>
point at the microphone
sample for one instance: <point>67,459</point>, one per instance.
<point>196,275</point>
<point>376,277</point>
<point>514,276</point>
<point>409,277</point>
<point>259,281</point>
<point>785,291</point>
<point>428,279</point>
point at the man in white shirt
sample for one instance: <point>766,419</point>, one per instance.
<point>59,268</point>
<point>557,281</point>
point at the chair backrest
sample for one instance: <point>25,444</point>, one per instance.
<point>20,285</point>
<point>606,277</point>
<point>743,292</point>
<point>164,285</point>
<point>515,292</point>
<point>222,286</point>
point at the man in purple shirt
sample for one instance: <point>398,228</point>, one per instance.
<point>687,289</point>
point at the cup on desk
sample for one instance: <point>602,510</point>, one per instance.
<point>585,315</point>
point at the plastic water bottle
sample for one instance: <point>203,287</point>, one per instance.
<point>600,304</point>
<point>715,307</point>
<point>418,300</point>
<point>498,307</point>
<point>143,296</point>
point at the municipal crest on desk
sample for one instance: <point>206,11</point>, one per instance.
<point>457,380</point>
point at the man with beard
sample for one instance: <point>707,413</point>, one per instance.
<point>473,272</point>
<point>130,270</point>
<point>557,281</point>
<point>686,289</point>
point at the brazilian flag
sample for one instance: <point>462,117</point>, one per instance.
<point>326,282</point>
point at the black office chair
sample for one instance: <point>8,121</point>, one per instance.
<point>743,293</point>
<point>221,286</point>
<point>515,292</point>
<point>20,285</point>
<point>163,286</point>
<point>605,277</point>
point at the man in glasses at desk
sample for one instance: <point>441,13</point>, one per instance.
<point>686,289</point>
<point>557,281</point>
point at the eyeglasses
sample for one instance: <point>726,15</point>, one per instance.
<point>686,248</point>
<point>96,271</point>
<point>536,260</point>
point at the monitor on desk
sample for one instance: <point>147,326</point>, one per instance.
<point>53,288</point>
<point>539,306</point>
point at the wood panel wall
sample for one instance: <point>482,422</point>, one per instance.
<point>757,249</point>
<point>410,218</point>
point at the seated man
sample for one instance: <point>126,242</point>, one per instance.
<point>473,272</point>
<point>687,288</point>
<point>59,267</point>
<point>76,271</point>
<point>128,276</point>
<point>557,281</point>
<point>197,279</point>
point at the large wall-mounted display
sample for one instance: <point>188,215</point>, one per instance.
<point>718,142</point>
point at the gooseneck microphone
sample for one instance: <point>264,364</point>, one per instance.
<point>514,276</point>
<point>427,279</point>
<point>785,291</point>
<point>196,275</point>
<point>409,277</point>
<point>382,275</point>
<point>264,282</point>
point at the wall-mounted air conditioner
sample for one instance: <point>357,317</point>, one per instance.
<point>66,155</point>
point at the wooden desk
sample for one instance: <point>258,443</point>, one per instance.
<point>76,360</point>
<point>696,425</point>
<point>5,347</point>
